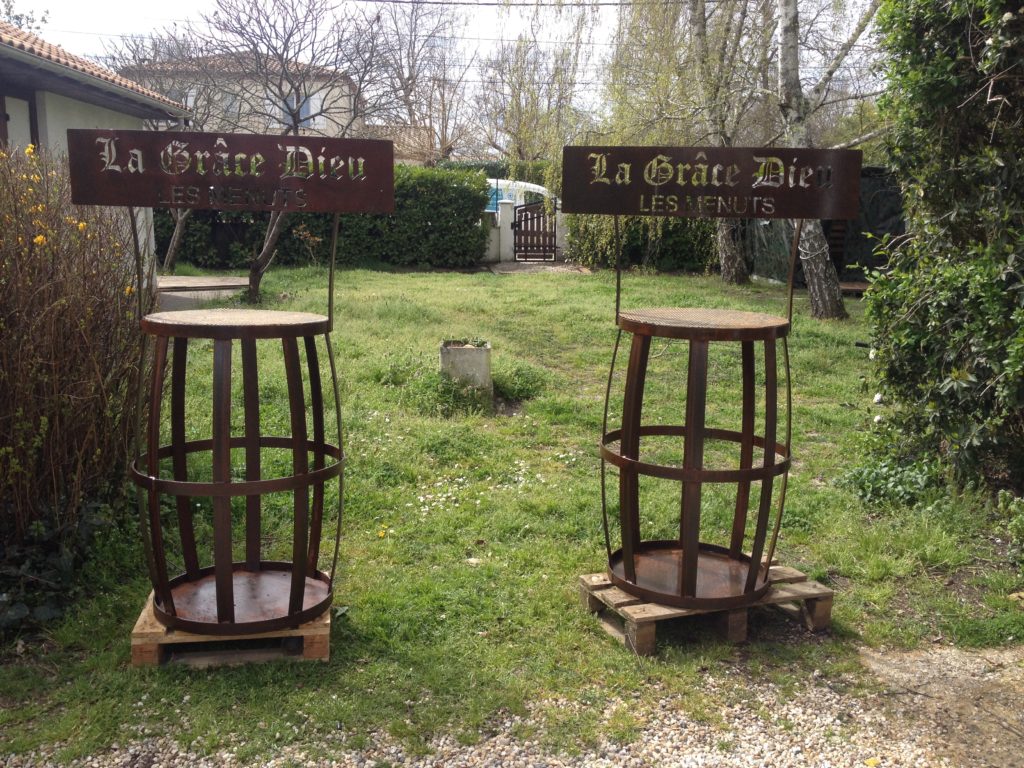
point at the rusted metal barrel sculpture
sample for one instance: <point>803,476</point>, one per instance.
<point>703,182</point>
<point>238,594</point>
<point>235,589</point>
<point>688,572</point>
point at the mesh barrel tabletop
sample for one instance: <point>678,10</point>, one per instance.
<point>235,324</point>
<point>703,324</point>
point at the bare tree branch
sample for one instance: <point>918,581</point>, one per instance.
<point>821,87</point>
<point>855,142</point>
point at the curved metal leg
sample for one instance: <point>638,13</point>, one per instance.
<point>161,584</point>
<point>186,528</point>
<point>253,460</point>
<point>629,481</point>
<point>739,522</point>
<point>222,555</point>
<point>316,402</point>
<point>770,438</point>
<point>300,466</point>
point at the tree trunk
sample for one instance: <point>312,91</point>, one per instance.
<point>730,257</point>
<point>820,274</point>
<point>181,217</point>
<point>261,262</point>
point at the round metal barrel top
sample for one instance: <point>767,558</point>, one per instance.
<point>260,600</point>
<point>233,323</point>
<point>658,565</point>
<point>702,324</point>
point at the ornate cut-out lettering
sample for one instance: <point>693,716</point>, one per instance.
<point>231,171</point>
<point>733,182</point>
<point>659,171</point>
<point>770,172</point>
<point>298,162</point>
<point>599,168</point>
<point>175,159</point>
<point>700,171</point>
<point>108,154</point>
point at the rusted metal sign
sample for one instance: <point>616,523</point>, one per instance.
<point>232,172</point>
<point>712,182</point>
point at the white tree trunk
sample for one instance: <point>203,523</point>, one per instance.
<point>823,289</point>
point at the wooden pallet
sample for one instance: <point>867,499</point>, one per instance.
<point>633,621</point>
<point>154,644</point>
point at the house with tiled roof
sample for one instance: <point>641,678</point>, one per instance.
<point>44,90</point>
<point>245,93</point>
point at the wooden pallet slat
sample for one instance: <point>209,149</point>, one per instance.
<point>616,598</point>
<point>154,644</point>
<point>633,621</point>
<point>781,574</point>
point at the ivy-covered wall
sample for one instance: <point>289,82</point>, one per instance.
<point>949,314</point>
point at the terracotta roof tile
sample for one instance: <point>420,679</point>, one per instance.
<point>26,42</point>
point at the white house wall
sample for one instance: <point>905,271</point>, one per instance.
<point>19,133</point>
<point>58,113</point>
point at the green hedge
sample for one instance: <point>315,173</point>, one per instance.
<point>667,245</point>
<point>437,222</point>
<point>534,172</point>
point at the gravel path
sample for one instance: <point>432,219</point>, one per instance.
<point>933,708</point>
<point>817,726</point>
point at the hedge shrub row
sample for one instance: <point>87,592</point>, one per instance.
<point>437,222</point>
<point>534,172</point>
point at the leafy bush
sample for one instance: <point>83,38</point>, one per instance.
<point>949,313</point>
<point>891,481</point>
<point>675,244</point>
<point>69,351</point>
<point>437,222</point>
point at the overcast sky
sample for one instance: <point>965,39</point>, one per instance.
<point>82,27</point>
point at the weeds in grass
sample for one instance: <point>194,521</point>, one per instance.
<point>1011,510</point>
<point>892,480</point>
<point>517,380</point>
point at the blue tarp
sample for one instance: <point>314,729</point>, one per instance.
<point>492,203</point>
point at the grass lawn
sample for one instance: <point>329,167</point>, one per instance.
<point>465,532</point>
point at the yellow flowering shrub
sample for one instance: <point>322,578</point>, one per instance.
<point>69,348</point>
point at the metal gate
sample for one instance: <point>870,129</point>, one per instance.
<point>534,233</point>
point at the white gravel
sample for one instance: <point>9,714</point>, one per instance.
<point>816,727</point>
